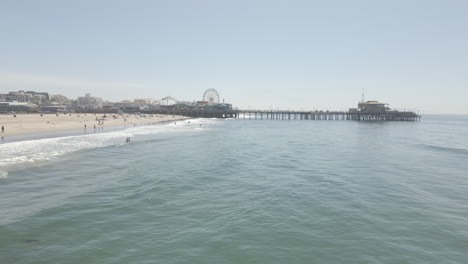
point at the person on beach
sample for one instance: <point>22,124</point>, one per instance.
<point>3,129</point>
<point>85,127</point>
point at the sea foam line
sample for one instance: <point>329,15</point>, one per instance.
<point>30,151</point>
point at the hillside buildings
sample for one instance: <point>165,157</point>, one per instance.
<point>61,99</point>
<point>22,101</point>
<point>25,97</point>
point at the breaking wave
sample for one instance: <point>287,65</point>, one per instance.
<point>31,151</point>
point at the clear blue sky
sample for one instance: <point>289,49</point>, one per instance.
<point>262,54</point>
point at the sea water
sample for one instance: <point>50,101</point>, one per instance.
<point>240,191</point>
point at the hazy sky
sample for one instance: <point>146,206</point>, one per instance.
<point>280,54</point>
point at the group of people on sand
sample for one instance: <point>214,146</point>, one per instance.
<point>102,128</point>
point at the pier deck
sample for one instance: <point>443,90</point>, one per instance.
<point>292,115</point>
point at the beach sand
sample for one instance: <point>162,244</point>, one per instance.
<point>24,124</point>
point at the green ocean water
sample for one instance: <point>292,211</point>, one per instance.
<point>240,191</point>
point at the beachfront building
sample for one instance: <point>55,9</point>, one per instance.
<point>109,106</point>
<point>15,107</point>
<point>25,97</point>
<point>19,96</point>
<point>128,106</point>
<point>52,107</point>
<point>39,97</point>
<point>144,101</point>
<point>89,102</point>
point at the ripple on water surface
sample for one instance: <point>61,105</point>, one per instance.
<point>243,192</point>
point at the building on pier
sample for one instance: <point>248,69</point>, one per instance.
<point>370,107</point>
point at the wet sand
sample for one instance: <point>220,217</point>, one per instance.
<point>25,124</point>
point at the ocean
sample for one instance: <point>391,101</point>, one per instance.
<point>240,191</point>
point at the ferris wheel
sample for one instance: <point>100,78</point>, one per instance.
<point>211,96</point>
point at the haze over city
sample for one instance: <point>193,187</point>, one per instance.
<point>259,54</point>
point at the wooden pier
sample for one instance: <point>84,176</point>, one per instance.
<point>328,115</point>
<point>291,115</point>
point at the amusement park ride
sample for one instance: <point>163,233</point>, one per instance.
<point>211,96</point>
<point>211,99</point>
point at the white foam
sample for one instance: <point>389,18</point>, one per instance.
<point>3,174</point>
<point>25,152</point>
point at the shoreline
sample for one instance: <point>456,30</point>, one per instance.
<point>34,126</point>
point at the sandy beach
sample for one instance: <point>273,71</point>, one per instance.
<point>24,124</point>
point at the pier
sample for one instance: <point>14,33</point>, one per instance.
<point>328,115</point>
<point>291,115</point>
<point>365,111</point>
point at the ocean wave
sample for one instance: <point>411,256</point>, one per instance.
<point>31,151</point>
<point>3,174</point>
<point>453,150</point>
